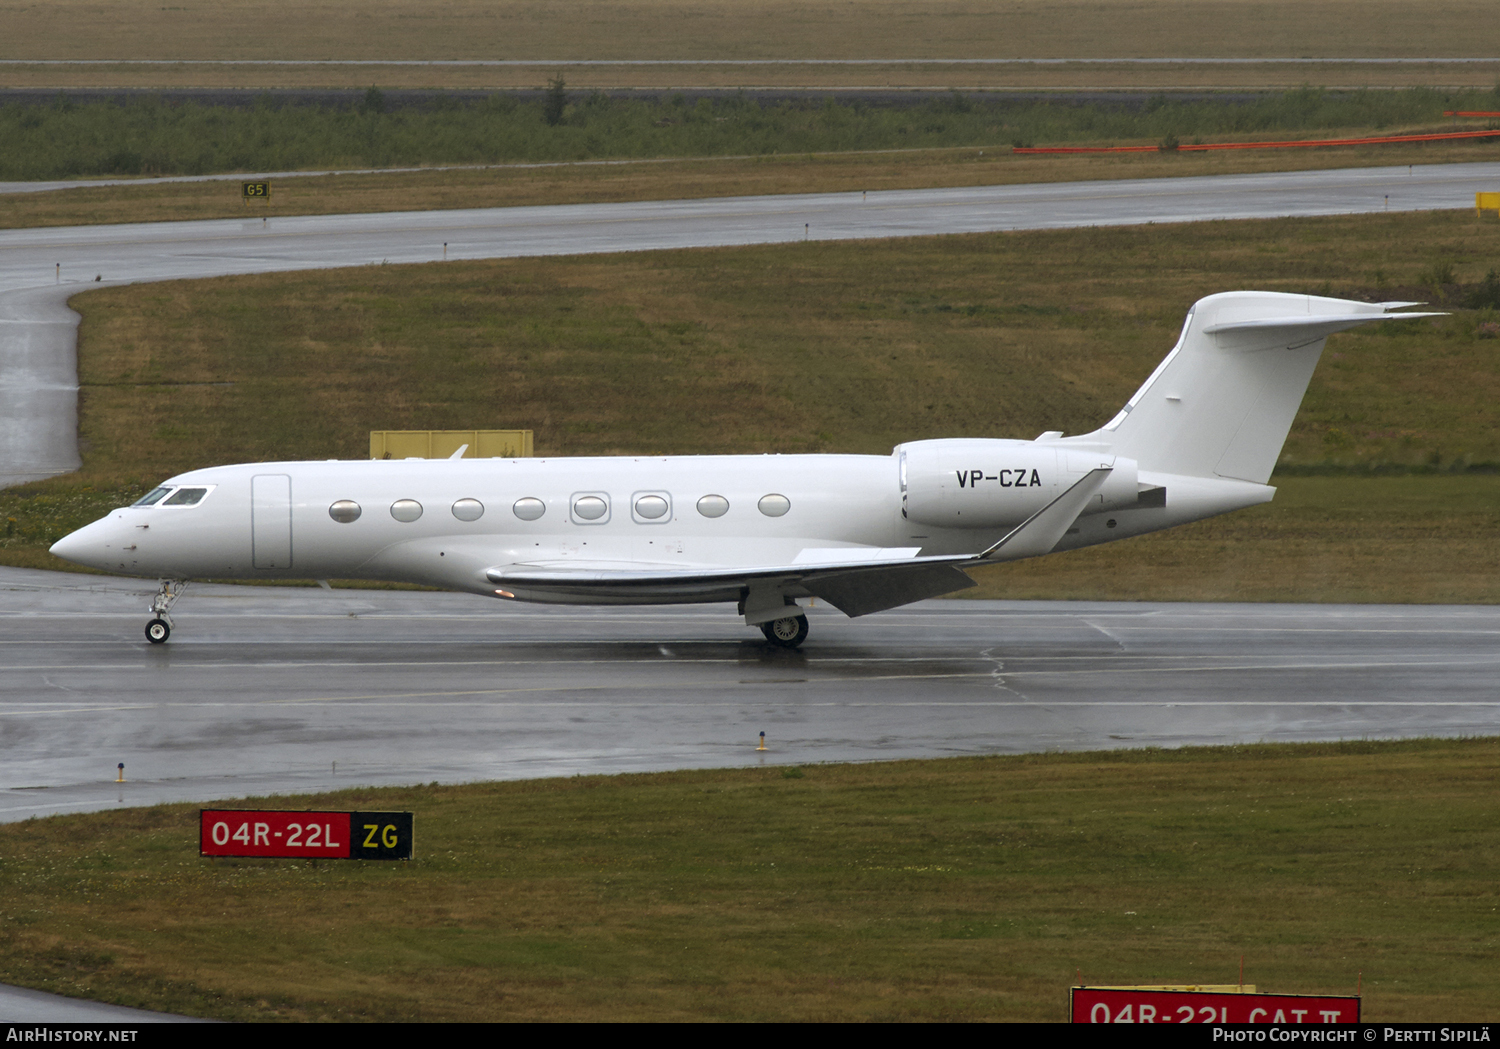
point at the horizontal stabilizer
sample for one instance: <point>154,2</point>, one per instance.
<point>1271,332</point>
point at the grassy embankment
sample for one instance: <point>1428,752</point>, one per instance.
<point>964,889</point>
<point>565,32</point>
<point>155,136</point>
<point>822,347</point>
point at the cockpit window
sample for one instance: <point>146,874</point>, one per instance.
<point>185,497</point>
<point>152,497</point>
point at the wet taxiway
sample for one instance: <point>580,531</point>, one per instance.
<point>23,1005</point>
<point>274,690</point>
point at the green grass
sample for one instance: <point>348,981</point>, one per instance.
<point>151,137</point>
<point>960,890</point>
<point>100,30</point>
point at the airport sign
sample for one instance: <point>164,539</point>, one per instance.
<point>1160,1005</point>
<point>300,834</point>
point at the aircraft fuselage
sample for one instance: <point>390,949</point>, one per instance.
<point>444,522</point>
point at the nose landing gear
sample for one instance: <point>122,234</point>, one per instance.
<point>160,626</point>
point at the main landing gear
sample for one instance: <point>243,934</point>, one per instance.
<point>787,628</point>
<point>787,632</point>
<point>160,626</point>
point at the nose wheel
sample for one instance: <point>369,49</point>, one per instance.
<point>787,632</point>
<point>159,628</point>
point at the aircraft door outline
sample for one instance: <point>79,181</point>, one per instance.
<point>271,521</point>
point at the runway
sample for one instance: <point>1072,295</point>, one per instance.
<point>276,690</point>
<point>41,268</point>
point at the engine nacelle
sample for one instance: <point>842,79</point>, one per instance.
<point>976,483</point>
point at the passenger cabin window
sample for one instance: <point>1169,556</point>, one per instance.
<point>774,505</point>
<point>185,497</point>
<point>468,509</point>
<point>590,509</point>
<point>652,507</point>
<point>152,497</point>
<point>406,510</point>
<point>529,508</point>
<point>713,506</point>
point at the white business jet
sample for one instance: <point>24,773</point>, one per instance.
<point>863,532</point>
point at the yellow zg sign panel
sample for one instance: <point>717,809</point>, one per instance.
<point>441,444</point>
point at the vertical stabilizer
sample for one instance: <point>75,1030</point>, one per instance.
<point>1222,402</point>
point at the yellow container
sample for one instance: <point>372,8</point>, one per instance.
<point>441,444</point>
<point>1487,202</point>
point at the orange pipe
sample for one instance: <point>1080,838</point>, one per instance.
<point>1443,136</point>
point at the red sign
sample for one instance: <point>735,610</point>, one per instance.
<point>238,832</point>
<point>1127,1006</point>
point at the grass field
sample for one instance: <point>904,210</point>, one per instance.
<point>832,347</point>
<point>964,889</point>
<point>175,135</point>
<point>719,30</point>
<point>1224,76</point>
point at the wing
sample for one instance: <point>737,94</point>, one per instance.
<point>856,586</point>
<point>855,580</point>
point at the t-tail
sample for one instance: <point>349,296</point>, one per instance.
<point>1222,402</point>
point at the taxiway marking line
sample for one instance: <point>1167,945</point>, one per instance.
<point>996,704</point>
<point>1008,665</point>
<point>995,671</point>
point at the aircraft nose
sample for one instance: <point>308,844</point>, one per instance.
<point>89,546</point>
<point>71,547</point>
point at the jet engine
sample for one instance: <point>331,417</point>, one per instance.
<point>977,483</point>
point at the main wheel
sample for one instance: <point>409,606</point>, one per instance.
<point>789,632</point>
<point>157,631</point>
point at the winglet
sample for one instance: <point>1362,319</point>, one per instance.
<point>1040,532</point>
